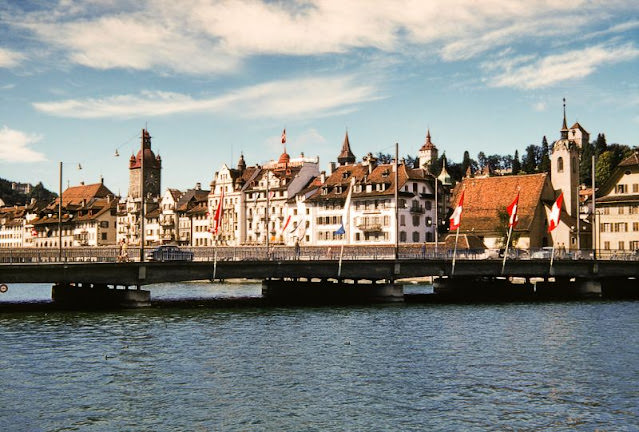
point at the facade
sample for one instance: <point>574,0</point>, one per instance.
<point>617,207</point>
<point>88,219</point>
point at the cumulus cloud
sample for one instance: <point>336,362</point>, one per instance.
<point>555,68</point>
<point>276,99</point>
<point>14,146</point>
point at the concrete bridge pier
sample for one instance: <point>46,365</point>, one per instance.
<point>98,296</point>
<point>330,291</point>
<point>566,288</point>
<point>483,288</point>
<point>620,288</point>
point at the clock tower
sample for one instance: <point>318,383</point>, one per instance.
<point>152,170</point>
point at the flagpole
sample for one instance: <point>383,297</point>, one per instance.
<point>455,251</point>
<point>215,261</point>
<point>503,264</point>
<point>552,256</point>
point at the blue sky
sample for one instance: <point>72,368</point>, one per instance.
<point>211,79</point>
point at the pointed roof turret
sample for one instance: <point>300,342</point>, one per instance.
<point>346,156</point>
<point>443,176</point>
<point>428,145</point>
<point>241,164</point>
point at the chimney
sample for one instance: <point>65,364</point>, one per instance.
<point>323,177</point>
<point>101,179</point>
<point>198,186</point>
<point>82,183</point>
<point>331,168</point>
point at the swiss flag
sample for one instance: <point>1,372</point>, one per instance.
<point>217,219</point>
<point>512,212</point>
<point>455,218</point>
<point>555,213</point>
<point>284,136</point>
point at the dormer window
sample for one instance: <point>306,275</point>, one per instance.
<point>385,173</point>
<point>345,174</point>
<point>338,189</point>
<point>357,188</point>
<point>324,191</point>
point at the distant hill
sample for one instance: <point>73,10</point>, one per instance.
<point>18,195</point>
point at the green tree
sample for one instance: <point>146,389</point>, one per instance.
<point>516,163</point>
<point>544,160</point>
<point>604,167</point>
<point>530,162</point>
<point>466,162</point>
<point>585,164</point>
<point>600,144</point>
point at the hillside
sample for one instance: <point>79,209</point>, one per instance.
<point>11,196</point>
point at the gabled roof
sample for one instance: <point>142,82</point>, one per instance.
<point>485,197</point>
<point>629,163</point>
<point>76,194</point>
<point>428,145</point>
<point>578,126</point>
<point>175,194</point>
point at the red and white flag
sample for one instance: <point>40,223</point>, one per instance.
<point>217,219</point>
<point>284,136</point>
<point>512,212</point>
<point>455,218</point>
<point>34,233</point>
<point>288,220</point>
<point>555,213</point>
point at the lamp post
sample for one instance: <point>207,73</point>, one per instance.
<point>60,210</point>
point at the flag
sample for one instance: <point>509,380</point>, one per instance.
<point>34,233</point>
<point>513,218</point>
<point>340,230</point>
<point>455,218</point>
<point>288,219</point>
<point>218,214</point>
<point>301,229</point>
<point>555,213</point>
<point>284,136</point>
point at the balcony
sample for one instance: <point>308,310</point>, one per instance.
<point>168,222</point>
<point>417,209</point>
<point>370,227</point>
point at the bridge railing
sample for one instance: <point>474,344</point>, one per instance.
<point>308,253</point>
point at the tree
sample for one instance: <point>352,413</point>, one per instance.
<point>585,164</point>
<point>600,144</point>
<point>516,164</point>
<point>412,161</point>
<point>482,159</point>
<point>604,167</point>
<point>384,158</point>
<point>530,162</point>
<point>466,162</point>
<point>544,159</point>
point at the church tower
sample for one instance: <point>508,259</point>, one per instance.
<point>427,153</point>
<point>152,170</point>
<point>564,167</point>
<point>346,156</point>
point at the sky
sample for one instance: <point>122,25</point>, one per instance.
<point>213,79</point>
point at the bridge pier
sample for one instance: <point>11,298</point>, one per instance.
<point>330,291</point>
<point>620,288</point>
<point>98,296</point>
<point>565,288</point>
<point>484,288</point>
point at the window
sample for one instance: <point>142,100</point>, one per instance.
<point>414,187</point>
<point>104,236</point>
<point>621,245</point>
<point>634,245</point>
<point>635,226</point>
<point>402,222</point>
<point>402,236</point>
<point>560,164</point>
<point>621,210</point>
<point>428,205</point>
<point>415,237</point>
<point>607,245</point>
<point>415,223</point>
<point>621,189</point>
<point>104,224</point>
<point>635,188</point>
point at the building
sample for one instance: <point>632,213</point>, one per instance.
<point>427,153</point>
<point>617,209</point>
<point>128,214</point>
<point>370,218</point>
<point>89,215</point>
<point>486,198</point>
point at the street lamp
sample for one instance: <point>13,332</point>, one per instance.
<point>60,213</point>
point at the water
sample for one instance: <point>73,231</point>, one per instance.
<point>541,366</point>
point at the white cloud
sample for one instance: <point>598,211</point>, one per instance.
<point>9,59</point>
<point>201,37</point>
<point>14,146</point>
<point>277,99</point>
<point>556,68</point>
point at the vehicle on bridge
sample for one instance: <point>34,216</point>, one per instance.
<point>169,253</point>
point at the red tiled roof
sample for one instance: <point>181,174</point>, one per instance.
<point>485,197</point>
<point>76,194</point>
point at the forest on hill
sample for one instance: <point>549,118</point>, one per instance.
<point>11,196</point>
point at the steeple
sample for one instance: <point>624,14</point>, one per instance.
<point>241,164</point>
<point>346,156</point>
<point>564,126</point>
<point>428,152</point>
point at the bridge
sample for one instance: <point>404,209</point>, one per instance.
<point>319,270</point>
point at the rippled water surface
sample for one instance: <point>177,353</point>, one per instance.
<point>539,366</point>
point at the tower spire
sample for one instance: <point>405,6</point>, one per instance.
<point>564,126</point>
<point>346,156</point>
